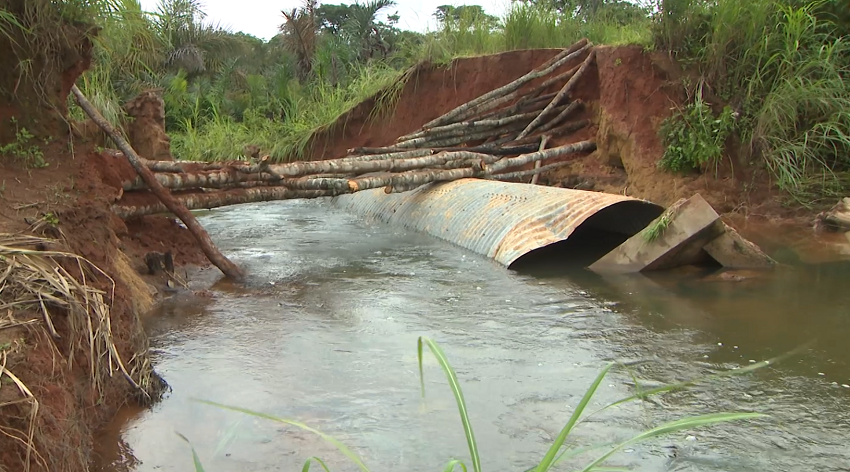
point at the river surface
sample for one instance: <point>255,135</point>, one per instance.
<point>325,333</point>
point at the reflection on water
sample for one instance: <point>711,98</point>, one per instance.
<point>326,333</point>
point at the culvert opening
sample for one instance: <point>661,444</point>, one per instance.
<point>596,236</point>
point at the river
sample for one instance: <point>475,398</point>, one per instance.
<point>325,333</point>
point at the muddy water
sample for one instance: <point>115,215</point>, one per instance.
<point>326,334</point>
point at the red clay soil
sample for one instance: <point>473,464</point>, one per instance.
<point>627,93</point>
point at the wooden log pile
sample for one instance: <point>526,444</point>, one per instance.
<point>488,137</point>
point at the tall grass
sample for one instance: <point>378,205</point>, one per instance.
<point>557,452</point>
<point>785,68</point>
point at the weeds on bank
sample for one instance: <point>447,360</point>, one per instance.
<point>557,452</point>
<point>23,149</point>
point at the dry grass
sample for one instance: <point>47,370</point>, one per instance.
<point>38,290</point>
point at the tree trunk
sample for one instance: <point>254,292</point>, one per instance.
<point>213,254</point>
<point>208,200</point>
<point>543,141</point>
<point>508,162</point>
<point>560,96</point>
<point>545,69</point>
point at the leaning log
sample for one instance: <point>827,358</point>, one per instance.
<point>565,90</point>
<point>568,54</point>
<point>229,269</point>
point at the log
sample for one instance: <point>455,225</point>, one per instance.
<point>494,150</point>
<point>568,127</point>
<point>209,200</point>
<point>521,174</point>
<point>345,169</point>
<point>508,162</point>
<point>568,54</point>
<point>560,96</point>
<point>458,129</point>
<point>224,264</point>
<point>410,178</point>
<point>572,107</point>
<point>543,141</point>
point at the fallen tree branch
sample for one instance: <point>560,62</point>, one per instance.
<point>543,141</point>
<point>521,174</point>
<point>224,264</point>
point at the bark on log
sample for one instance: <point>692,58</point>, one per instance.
<point>521,174</point>
<point>566,128</point>
<point>213,254</point>
<point>463,127</point>
<point>572,107</point>
<point>568,54</point>
<point>543,141</point>
<point>209,200</point>
<point>410,178</point>
<point>508,162</point>
<point>488,149</point>
<point>560,96</point>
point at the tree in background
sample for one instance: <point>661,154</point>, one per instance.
<point>471,13</point>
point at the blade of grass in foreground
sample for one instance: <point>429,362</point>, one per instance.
<point>450,467</point>
<point>549,458</point>
<point>195,459</point>
<point>672,427</point>
<point>458,393</point>
<point>342,447</point>
<point>306,467</point>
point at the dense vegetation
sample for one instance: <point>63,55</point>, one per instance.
<point>772,73</point>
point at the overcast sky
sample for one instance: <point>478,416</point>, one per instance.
<point>261,18</point>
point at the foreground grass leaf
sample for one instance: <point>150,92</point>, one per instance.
<point>342,447</point>
<point>549,458</point>
<point>672,427</point>
<point>450,467</point>
<point>456,390</point>
<point>195,459</point>
<point>309,461</point>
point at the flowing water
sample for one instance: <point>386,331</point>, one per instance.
<point>326,330</point>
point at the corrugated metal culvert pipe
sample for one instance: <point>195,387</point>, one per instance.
<point>509,222</point>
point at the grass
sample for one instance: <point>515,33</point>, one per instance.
<point>557,452</point>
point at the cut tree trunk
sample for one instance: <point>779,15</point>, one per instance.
<point>568,54</point>
<point>560,96</point>
<point>229,269</point>
<point>508,162</point>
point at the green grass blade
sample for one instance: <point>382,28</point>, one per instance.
<point>549,458</point>
<point>195,459</point>
<point>672,427</point>
<point>342,447</point>
<point>306,467</point>
<point>456,390</point>
<point>450,467</point>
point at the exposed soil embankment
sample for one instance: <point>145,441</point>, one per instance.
<point>627,94</point>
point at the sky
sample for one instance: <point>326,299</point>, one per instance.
<point>262,18</point>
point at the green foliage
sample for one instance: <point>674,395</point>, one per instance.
<point>694,137</point>
<point>23,149</point>
<point>784,64</point>
<point>556,453</point>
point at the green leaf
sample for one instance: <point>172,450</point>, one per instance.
<point>549,458</point>
<point>456,390</point>
<point>306,467</point>
<point>342,447</point>
<point>672,427</point>
<point>450,467</point>
<point>195,459</point>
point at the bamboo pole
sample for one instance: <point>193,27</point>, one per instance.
<point>229,269</point>
<point>568,54</point>
<point>560,96</point>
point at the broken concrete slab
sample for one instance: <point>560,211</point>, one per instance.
<point>731,250</point>
<point>675,238</point>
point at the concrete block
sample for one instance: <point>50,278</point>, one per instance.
<point>731,250</point>
<point>675,238</point>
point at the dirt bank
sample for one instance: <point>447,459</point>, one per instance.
<point>63,383</point>
<point>627,93</point>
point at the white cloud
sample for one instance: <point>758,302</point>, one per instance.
<point>262,18</point>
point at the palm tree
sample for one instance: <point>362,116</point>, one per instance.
<point>298,34</point>
<point>364,29</point>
